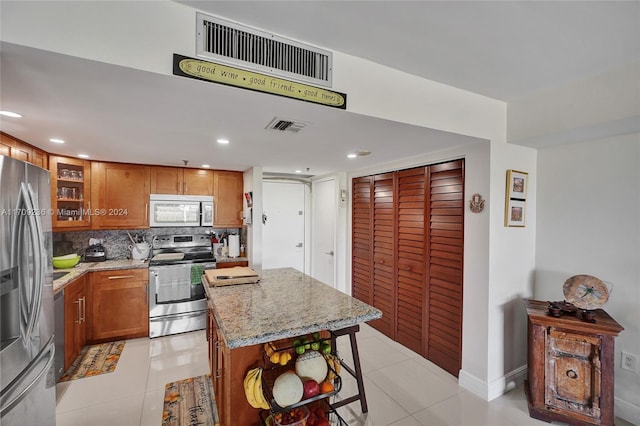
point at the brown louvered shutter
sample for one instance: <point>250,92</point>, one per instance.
<point>383,251</point>
<point>361,239</point>
<point>411,258</point>
<point>445,251</point>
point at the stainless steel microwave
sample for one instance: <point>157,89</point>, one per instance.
<point>180,210</point>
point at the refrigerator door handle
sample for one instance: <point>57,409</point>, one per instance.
<point>49,354</point>
<point>37,238</point>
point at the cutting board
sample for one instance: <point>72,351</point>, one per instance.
<point>231,276</point>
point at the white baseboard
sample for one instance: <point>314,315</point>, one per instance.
<point>627,411</point>
<point>495,388</point>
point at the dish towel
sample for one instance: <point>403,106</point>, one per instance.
<point>196,274</point>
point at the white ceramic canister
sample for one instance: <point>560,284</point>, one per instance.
<point>139,251</point>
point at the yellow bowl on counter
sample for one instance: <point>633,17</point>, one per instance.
<point>65,262</point>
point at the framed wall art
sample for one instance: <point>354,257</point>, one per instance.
<point>516,212</point>
<point>517,184</point>
<point>516,198</point>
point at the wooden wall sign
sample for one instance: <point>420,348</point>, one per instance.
<point>231,76</point>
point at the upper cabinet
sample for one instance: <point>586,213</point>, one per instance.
<point>175,180</point>
<point>120,195</point>
<point>15,148</point>
<point>70,190</point>
<point>227,195</point>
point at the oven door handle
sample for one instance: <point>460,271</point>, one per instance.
<point>156,282</point>
<point>178,316</point>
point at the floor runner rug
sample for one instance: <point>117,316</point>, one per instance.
<point>190,402</point>
<point>95,360</point>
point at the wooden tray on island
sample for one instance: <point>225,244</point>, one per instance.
<point>231,276</point>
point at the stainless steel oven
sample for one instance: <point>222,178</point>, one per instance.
<point>177,302</point>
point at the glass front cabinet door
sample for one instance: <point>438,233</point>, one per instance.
<point>70,190</point>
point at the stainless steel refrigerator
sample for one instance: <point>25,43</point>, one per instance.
<point>27,377</point>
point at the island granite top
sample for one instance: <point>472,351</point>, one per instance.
<point>285,303</point>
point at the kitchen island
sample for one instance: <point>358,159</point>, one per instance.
<point>285,304</point>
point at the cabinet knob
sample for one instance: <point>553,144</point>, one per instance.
<point>572,374</point>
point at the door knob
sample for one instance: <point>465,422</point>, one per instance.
<point>329,253</point>
<point>299,245</point>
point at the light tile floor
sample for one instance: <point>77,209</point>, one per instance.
<point>403,389</point>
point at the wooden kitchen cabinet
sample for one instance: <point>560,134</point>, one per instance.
<point>225,364</point>
<point>227,194</point>
<point>75,319</point>
<point>70,193</point>
<point>571,366</point>
<point>119,308</point>
<point>220,265</point>
<point>184,181</point>
<point>119,195</point>
<point>15,148</point>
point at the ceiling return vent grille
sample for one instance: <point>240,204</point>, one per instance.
<point>285,125</point>
<point>248,48</point>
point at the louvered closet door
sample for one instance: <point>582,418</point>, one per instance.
<point>383,252</point>
<point>361,239</point>
<point>411,258</point>
<point>445,250</point>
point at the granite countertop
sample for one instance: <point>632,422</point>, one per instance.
<point>285,303</point>
<point>83,268</point>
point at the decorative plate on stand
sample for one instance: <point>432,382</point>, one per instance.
<point>585,292</point>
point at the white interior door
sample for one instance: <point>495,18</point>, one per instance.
<point>324,197</point>
<point>283,232</point>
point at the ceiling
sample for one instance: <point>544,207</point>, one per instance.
<point>504,50</point>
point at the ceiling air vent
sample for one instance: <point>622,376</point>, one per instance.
<point>286,125</point>
<point>245,47</point>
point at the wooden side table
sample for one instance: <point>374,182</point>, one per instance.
<point>571,366</point>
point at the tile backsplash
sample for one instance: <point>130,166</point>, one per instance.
<point>117,242</point>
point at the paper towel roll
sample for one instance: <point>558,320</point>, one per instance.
<point>234,245</point>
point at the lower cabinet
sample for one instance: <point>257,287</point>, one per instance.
<point>119,308</point>
<point>570,374</point>
<point>75,319</point>
<point>227,372</point>
<point>220,265</point>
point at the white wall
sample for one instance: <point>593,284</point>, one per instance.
<point>144,35</point>
<point>253,183</point>
<point>589,223</point>
<point>592,108</point>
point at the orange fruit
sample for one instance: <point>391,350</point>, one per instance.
<point>326,387</point>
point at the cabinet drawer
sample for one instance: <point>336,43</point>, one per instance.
<point>103,277</point>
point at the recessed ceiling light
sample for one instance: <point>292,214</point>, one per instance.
<point>358,154</point>
<point>10,114</point>
<point>54,140</point>
<point>223,141</point>
<point>206,166</point>
<point>83,156</point>
<point>298,171</point>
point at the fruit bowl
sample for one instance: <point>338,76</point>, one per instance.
<point>65,262</point>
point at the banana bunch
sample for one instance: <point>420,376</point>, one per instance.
<point>253,389</point>
<point>334,363</point>
<point>281,358</point>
